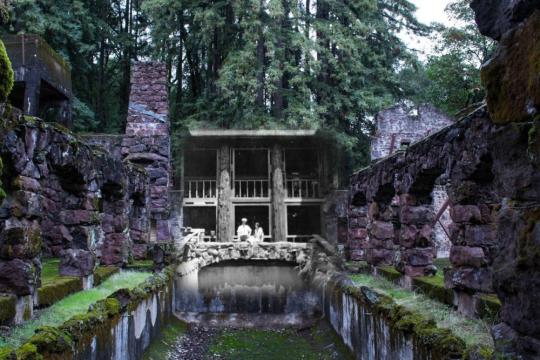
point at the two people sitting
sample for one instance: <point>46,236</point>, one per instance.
<point>244,232</point>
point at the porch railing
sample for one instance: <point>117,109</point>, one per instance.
<point>303,188</point>
<point>251,189</point>
<point>200,189</point>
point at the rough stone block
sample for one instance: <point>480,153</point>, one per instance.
<point>77,262</point>
<point>479,279</point>
<point>465,214</point>
<point>511,76</point>
<point>416,214</point>
<point>19,277</point>
<point>419,256</point>
<point>467,256</point>
<point>382,230</point>
<point>496,17</point>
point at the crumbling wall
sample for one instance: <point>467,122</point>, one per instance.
<point>513,97</point>
<point>397,128</point>
<point>65,199</point>
<point>402,123</point>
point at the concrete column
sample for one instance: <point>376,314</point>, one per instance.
<point>225,228</point>
<point>279,212</point>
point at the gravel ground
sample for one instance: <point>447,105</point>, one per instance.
<point>193,345</point>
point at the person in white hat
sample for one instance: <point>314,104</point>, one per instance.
<point>244,231</point>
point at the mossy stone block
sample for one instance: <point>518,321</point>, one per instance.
<point>511,76</point>
<point>102,273</point>
<point>488,306</point>
<point>7,309</point>
<point>433,287</point>
<point>58,289</point>
<point>389,272</point>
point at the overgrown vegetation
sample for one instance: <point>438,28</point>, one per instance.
<point>6,74</point>
<point>160,347</point>
<point>72,305</point>
<point>450,78</point>
<point>316,64</point>
<point>247,344</point>
<point>472,332</point>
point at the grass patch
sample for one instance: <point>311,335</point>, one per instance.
<point>471,331</point>
<point>160,347</point>
<point>248,344</point>
<point>77,303</point>
<point>50,271</point>
<point>102,273</point>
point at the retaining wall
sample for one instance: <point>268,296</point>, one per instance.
<point>119,327</point>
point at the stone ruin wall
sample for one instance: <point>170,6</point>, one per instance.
<point>403,123</point>
<point>63,199</point>
<point>394,125</point>
<point>491,159</point>
<point>146,143</point>
<point>86,200</point>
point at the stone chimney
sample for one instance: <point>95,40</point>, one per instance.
<point>147,139</point>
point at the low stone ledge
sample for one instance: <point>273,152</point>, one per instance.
<point>58,289</point>
<point>433,287</point>
<point>102,273</point>
<point>403,332</point>
<point>486,306</point>
<point>113,324</point>
<point>7,309</point>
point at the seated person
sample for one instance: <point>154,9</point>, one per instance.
<point>244,231</point>
<point>259,232</point>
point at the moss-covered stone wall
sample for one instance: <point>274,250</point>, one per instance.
<point>118,327</point>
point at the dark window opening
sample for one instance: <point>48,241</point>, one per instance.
<point>16,97</point>
<point>302,163</point>
<point>201,164</point>
<point>253,214</point>
<point>201,217</point>
<point>303,220</point>
<point>251,164</point>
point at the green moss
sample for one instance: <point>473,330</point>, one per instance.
<point>102,273</point>
<point>56,290</point>
<point>51,340</point>
<point>50,270</point>
<point>7,353</point>
<point>6,74</point>
<point>417,314</point>
<point>275,345</point>
<point>28,352</point>
<point>76,307</point>
<point>142,265</point>
<point>7,308</point>
<point>160,347</point>
<point>479,352</point>
<point>488,307</point>
<point>433,287</point>
<point>389,272</point>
